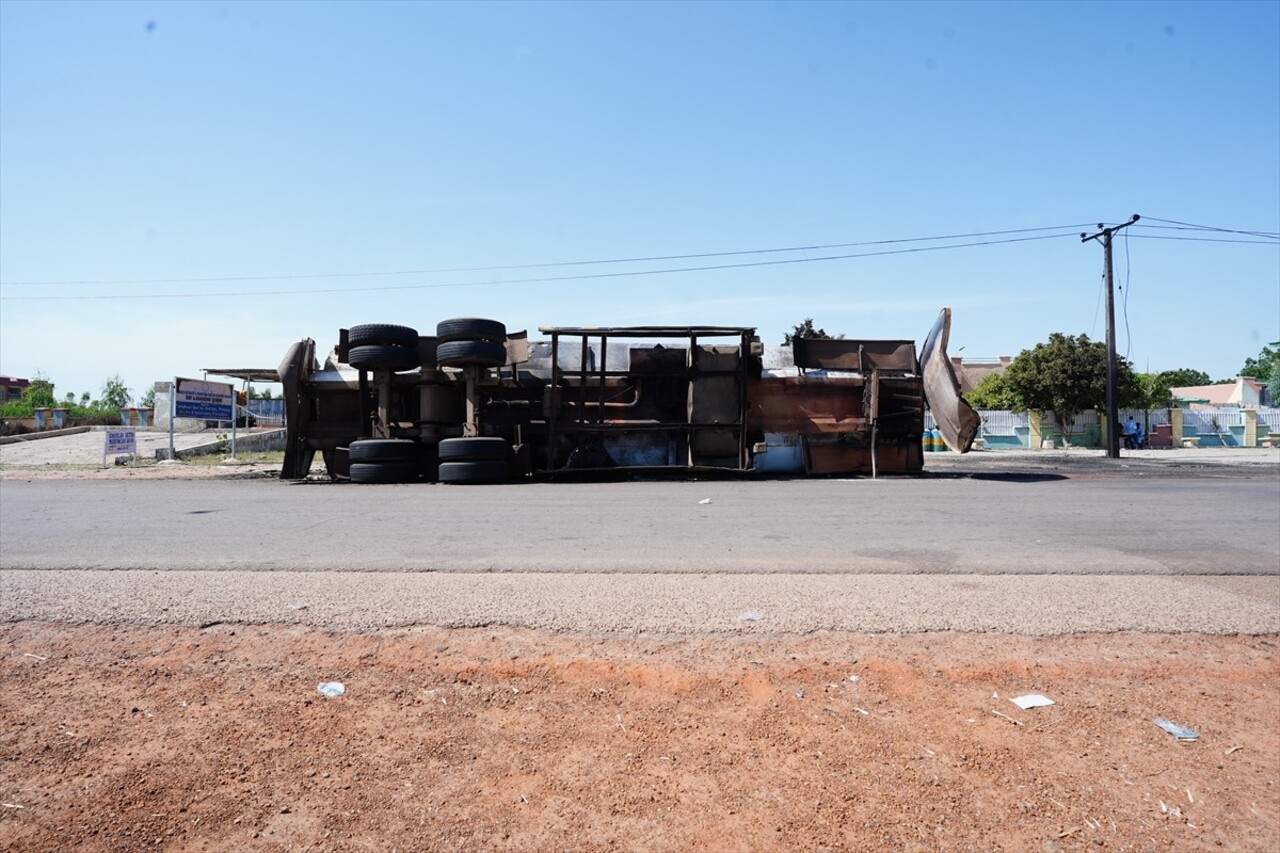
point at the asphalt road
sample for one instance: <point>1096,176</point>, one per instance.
<point>1034,554</point>
<point>891,525</point>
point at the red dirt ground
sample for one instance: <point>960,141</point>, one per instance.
<point>125,738</point>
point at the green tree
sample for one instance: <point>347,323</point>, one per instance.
<point>993,392</point>
<point>1153,390</point>
<point>39,393</point>
<point>1067,375</point>
<point>1265,368</point>
<point>1184,377</point>
<point>806,330</point>
<point>148,400</point>
<point>114,393</point>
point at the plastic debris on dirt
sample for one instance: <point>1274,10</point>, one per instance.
<point>331,688</point>
<point>1180,732</point>
<point>1032,700</point>
<point>750,616</point>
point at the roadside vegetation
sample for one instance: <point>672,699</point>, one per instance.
<point>81,409</point>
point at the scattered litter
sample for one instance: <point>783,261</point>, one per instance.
<point>1032,700</point>
<point>995,695</point>
<point>12,806</point>
<point>855,678</point>
<point>37,657</point>
<point>1180,732</point>
<point>331,688</point>
<point>523,798</point>
<point>1190,799</point>
<point>929,751</point>
<point>1233,749</point>
<point>863,711</point>
<point>800,693</point>
<point>1007,717</point>
<point>704,501</point>
<point>299,605</point>
<point>971,721</point>
<point>750,616</point>
<point>1093,824</point>
<point>1072,831</point>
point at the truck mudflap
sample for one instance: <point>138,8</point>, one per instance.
<point>956,420</point>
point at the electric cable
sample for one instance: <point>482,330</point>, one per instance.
<point>650,259</point>
<point>1207,239</point>
<point>1272,234</point>
<point>540,280</point>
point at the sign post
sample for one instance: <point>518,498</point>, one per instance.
<point>195,398</point>
<point>119,441</point>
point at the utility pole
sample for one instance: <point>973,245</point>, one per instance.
<point>1104,236</point>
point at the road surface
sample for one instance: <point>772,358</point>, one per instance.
<point>1032,553</point>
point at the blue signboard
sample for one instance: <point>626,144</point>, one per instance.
<point>209,401</point>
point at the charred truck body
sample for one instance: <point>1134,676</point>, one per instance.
<point>474,404</point>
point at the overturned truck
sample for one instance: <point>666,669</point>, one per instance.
<point>477,404</point>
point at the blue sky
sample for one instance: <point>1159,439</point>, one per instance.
<point>313,142</point>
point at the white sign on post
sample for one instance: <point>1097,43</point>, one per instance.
<point>210,401</point>
<point>119,441</point>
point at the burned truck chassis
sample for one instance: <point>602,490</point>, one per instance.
<point>473,404</point>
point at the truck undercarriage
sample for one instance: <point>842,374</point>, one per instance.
<point>475,404</point>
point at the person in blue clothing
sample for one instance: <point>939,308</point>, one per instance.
<point>1132,434</point>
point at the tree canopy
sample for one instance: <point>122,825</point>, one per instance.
<point>115,394</point>
<point>1265,368</point>
<point>993,392</point>
<point>1067,375</point>
<point>1183,377</point>
<point>807,330</point>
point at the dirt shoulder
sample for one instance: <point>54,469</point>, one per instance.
<point>116,738</point>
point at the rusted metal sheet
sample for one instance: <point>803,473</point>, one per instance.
<point>823,456</point>
<point>862,356</point>
<point>805,405</point>
<point>957,421</point>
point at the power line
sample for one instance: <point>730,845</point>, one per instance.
<point>1214,228</point>
<point>650,259</point>
<point>1267,234</point>
<point>1206,239</point>
<point>547,279</point>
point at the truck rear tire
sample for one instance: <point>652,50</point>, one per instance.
<point>382,333</point>
<point>473,473</point>
<point>474,450</point>
<point>384,472</point>
<point>383,357</point>
<point>383,450</point>
<point>470,329</point>
<point>465,353</point>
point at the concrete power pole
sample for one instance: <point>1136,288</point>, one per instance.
<point>1104,236</point>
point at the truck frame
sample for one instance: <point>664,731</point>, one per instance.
<point>476,404</point>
